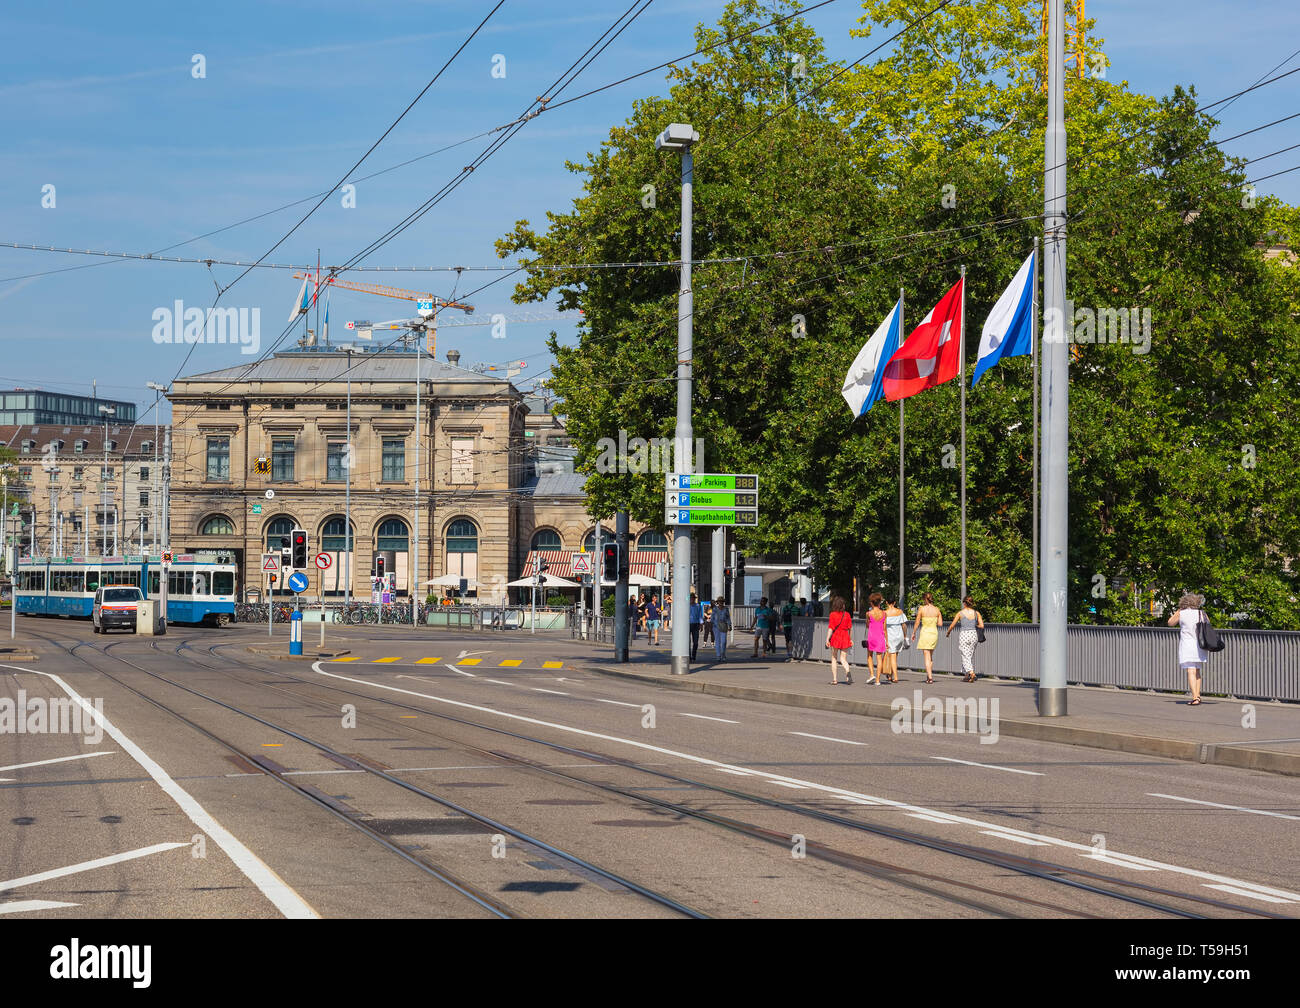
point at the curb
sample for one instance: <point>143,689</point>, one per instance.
<point>281,656</point>
<point>1232,755</point>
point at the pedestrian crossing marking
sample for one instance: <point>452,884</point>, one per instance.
<point>469,661</point>
<point>428,661</point>
<point>512,662</point>
<point>385,661</point>
<point>353,658</point>
<point>552,664</point>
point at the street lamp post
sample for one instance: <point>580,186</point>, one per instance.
<point>347,498</point>
<point>680,137</point>
<point>156,476</point>
<point>108,411</point>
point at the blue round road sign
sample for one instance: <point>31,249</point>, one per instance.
<point>298,581</point>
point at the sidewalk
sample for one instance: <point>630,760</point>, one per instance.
<point>1146,723</point>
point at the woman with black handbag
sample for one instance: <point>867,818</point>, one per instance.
<point>1191,655</point>
<point>972,628</point>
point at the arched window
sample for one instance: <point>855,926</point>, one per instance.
<point>462,537</point>
<point>392,535</point>
<point>547,539</point>
<point>589,544</point>
<point>333,535</point>
<point>218,525</point>
<point>651,540</point>
<point>281,525</point>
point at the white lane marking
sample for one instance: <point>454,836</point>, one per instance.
<point>1242,892</point>
<point>856,801</point>
<point>466,654</point>
<point>796,787</point>
<point>619,702</point>
<point>61,759</point>
<point>988,766</point>
<point>6,780</point>
<point>826,738</point>
<point>54,873</point>
<point>837,792</point>
<point>1194,801</point>
<point>1120,862</point>
<point>738,773</point>
<point>929,818</point>
<point>27,906</point>
<point>1009,836</point>
<point>258,872</point>
<point>499,682</point>
<point>705,717</point>
<point>468,675</point>
<point>553,692</point>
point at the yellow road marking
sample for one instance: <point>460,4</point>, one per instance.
<point>385,661</point>
<point>353,658</point>
<point>513,661</point>
<point>405,717</point>
<point>272,745</point>
<point>552,664</point>
<point>469,661</point>
<point>428,661</point>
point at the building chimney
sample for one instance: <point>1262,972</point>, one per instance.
<point>453,358</point>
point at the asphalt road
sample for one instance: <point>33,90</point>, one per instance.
<point>551,790</point>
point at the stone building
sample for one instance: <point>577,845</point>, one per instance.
<point>262,448</point>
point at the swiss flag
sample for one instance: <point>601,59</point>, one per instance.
<point>930,356</point>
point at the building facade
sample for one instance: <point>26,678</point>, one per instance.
<point>304,437</point>
<point>36,407</point>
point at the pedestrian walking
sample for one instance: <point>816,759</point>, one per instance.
<point>666,611</point>
<point>971,623</point>
<point>708,622</point>
<point>925,631</point>
<point>839,638</point>
<point>1191,655</point>
<point>697,623</point>
<point>895,638</point>
<point>721,627</point>
<point>875,644</point>
<point>652,621</point>
<point>808,609</point>
<point>761,617</point>
<point>788,613</point>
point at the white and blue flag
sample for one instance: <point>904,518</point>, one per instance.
<point>864,384</point>
<point>1009,330</point>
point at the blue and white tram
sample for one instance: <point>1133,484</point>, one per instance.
<point>200,586</point>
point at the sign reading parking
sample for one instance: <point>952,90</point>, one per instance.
<point>700,516</point>
<point>711,499</point>
<point>298,581</point>
<point>711,481</point>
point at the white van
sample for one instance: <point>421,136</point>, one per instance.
<point>115,606</point>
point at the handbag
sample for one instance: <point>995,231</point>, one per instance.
<point>979,634</point>
<point>1207,637</point>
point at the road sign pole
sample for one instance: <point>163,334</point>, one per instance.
<point>620,587</point>
<point>681,613</point>
<point>269,603</point>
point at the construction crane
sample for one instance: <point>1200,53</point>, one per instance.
<point>429,320</point>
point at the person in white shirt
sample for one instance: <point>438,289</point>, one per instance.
<point>1191,655</point>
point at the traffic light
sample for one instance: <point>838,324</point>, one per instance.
<point>545,565</point>
<point>740,565</point>
<point>379,566</point>
<point>299,549</point>
<point>609,564</point>
<point>286,553</point>
<point>272,579</point>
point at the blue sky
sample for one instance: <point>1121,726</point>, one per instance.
<point>100,102</point>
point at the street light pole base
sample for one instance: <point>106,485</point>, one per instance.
<point>1052,702</point>
<point>681,665</point>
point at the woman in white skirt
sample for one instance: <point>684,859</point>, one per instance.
<point>969,636</point>
<point>1190,654</point>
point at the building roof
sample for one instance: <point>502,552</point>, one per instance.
<point>331,365</point>
<point>129,437</point>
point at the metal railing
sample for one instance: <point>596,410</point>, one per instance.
<point>1254,664</point>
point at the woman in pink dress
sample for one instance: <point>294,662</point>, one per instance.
<point>875,644</point>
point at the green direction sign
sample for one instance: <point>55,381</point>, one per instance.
<point>257,509</point>
<point>711,481</point>
<point>718,516</point>
<point>711,499</point>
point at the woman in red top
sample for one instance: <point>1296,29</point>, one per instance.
<point>839,638</point>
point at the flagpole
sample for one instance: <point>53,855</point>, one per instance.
<point>1033,329</point>
<point>902,529</point>
<point>961,371</point>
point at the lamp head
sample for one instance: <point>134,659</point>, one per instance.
<point>678,137</point>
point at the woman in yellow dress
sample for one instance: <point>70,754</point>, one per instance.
<point>929,620</point>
